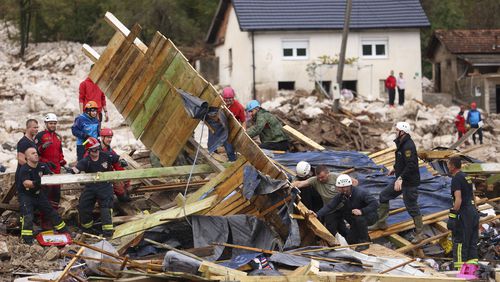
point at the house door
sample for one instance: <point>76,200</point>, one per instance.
<point>437,77</point>
<point>498,98</point>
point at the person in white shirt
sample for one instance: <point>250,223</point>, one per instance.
<point>401,84</point>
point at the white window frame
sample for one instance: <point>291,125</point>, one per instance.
<point>374,43</point>
<point>295,44</point>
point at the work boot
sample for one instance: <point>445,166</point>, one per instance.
<point>383,213</point>
<point>419,227</point>
<point>108,234</point>
<point>28,240</point>
<point>123,198</point>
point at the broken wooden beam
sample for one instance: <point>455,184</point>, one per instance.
<point>121,175</point>
<point>302,138</point>
<point>69,265</point>
<point>398,266</point>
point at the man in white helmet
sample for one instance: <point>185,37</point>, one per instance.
<point>49,145</point>
<point>309,197</point>
<point>354,205</point>
<point>407,180</point>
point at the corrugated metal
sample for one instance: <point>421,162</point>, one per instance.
<point>328,14</point>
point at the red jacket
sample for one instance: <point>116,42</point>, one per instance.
<point>238,111</point>
<point>53,149</point>
<point>460,123</point>
<point>390,82</point>
<point>89,91</point>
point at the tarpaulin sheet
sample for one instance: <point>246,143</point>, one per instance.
<point>434,191</point>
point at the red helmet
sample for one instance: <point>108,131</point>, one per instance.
<point>106,132</point>
<point>90,105</point>
<point>228,93</point>
<point>473,105</point>
<point>91,142</point>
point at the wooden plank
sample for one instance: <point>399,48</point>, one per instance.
<point>219,208</point>
<point>155,172</point>
<point>132,164</point>
<point>154,219</point>
<point>302,138</point>
<point>90,53</point>
<point>464,138</point>
<point>204,153</point>
<point>481,168</point>
<point>101,65</point>
<point>69,265</point>
<point>316,226</point>
<point>120,27</point>
<point>399,241</point>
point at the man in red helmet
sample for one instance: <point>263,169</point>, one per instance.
<point>49,146</point>
<point>89,91</point>
<point>474,120</point>
<point>119,188</point>
<point>96,161</point>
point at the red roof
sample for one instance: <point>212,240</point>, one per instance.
<point>470,41</point>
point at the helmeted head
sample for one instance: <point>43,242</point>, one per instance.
<point>303,169</point>
<point>228,95</point>
<point>50,121</point>
<point>403,127</point>
<point>473,105</point>
<point>253,107</point>
<point>91,108</point>
<point>344,183</point>
<point>106,136</point>
<point>91,144</point>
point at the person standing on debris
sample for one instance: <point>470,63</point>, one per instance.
<point>27,141</point>
<point>89,91</point>
<point>354,205</point>
<point>96,161</point>
<point>390,84</point>
<point>239,113</point>
<point>86,125</point>
<point>463,221</point>
<point>120,188</point>
<point>49,146</point>
<point>407,180</point>
<point>309,197</point>
<point>401,84</point>
<point>474,120</point>
<point>267,126</point>
<point>30,198</point>
<point>460,122</point>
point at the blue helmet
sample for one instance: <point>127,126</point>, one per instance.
<point>252,105</point>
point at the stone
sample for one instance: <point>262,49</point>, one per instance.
<point>52,253</point>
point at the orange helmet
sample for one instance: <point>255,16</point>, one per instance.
<point>106,132</point>
<point>90,105</point>
<point>91,142</point>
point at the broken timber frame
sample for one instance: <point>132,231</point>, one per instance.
<point>142,83</point>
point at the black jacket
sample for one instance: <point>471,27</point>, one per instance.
<point>406,164</point>
<point>359,199</point>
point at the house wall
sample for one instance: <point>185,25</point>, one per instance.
<point>449,69</point>
<point>403,51</point>
<point>466,91</point>
<point>491,84</point>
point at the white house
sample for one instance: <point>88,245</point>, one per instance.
<point>266,45</point>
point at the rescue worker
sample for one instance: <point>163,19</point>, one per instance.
<point>27,141</point>
<point>50,149</point>
<point>89,91</point>
<point>31,198</point>
<point>463,219</point>
<point>267,127</point>
<point>96,161</point>
<point>460,122</point>
<point>120,188</point>
<point>86,125</point>
<point>309,197</point>
<point>354,205</point>
<point>239,113</point>
<point>474,120</point>
<point>407,180</point>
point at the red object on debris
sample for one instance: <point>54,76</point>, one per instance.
<point>52,239</point>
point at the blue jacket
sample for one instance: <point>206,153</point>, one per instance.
<point>473,117</point>
<point>84,127</point>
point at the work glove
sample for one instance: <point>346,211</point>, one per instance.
<point>68,169</point>
<point>452,220</point>
<point>51,165</point>
<point>37,184</point>
<point>46,144</point>
<point>123,163</point>
<point>62,162</point>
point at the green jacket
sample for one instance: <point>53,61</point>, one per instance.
<point>268,127</point>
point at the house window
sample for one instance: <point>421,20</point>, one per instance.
<point>374,48</point>
<point>286,85</point>
<point>295,49</point>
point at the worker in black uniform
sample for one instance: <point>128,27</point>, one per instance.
<point>407,181</point>
<point>354,205</point>
<point>309,197</point>
<point>30,196</point>
<point>463,221</point>
<point>96,161</point>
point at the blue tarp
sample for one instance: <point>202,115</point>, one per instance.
<point>434,191</point>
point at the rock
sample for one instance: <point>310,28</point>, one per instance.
<point>4,251</point>
<point>52,253</point>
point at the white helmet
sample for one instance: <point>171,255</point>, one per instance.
<point>343,180</point>
<point>403,126</point>
<point>303,168</point>
<point>50,117</point>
